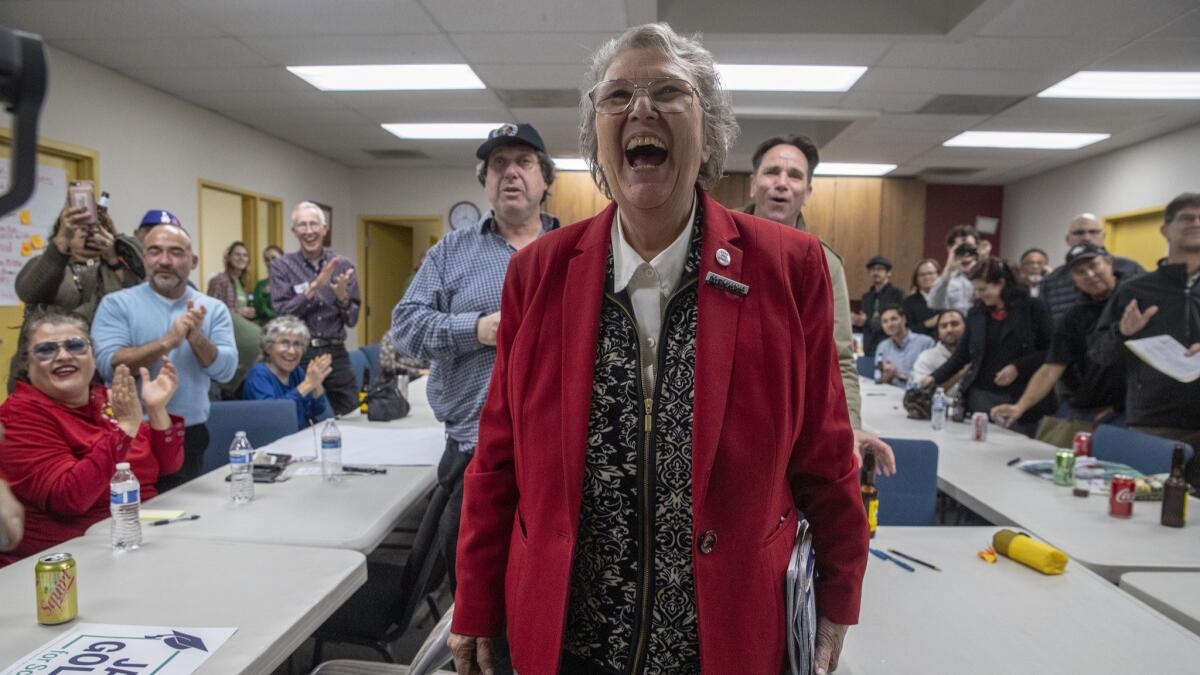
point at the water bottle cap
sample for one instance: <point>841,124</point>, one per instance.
<point>122,466</point>
<point>240,434</point>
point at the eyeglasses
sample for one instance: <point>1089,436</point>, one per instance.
<point>47,351</point>
<point>666,94</point>
<point>1080,233</point>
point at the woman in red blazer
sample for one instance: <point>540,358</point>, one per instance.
<point>666,395</point>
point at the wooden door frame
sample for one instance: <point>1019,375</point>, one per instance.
<point>250,201</point>
<point>363,273</point>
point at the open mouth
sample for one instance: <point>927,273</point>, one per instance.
<point>645,152</point>
<point>65,371</point>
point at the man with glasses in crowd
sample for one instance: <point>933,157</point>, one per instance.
<point>1058,288</point>
<point>318,286</point>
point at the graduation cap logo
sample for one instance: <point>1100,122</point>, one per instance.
<point>180,641</point>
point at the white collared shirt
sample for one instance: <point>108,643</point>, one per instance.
<point>649,285</point>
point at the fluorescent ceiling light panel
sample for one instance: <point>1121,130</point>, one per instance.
<point>438,131</point>
<point>788,78</point>
<point>400,77</point>
<point>1127,85</point>
<point>852,169</point>
<point>570,164</point>
<point>1037,140</point>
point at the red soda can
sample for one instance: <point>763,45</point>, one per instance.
<point>979,426</point>
<point>1120,497</point>
<point>1082,444</point>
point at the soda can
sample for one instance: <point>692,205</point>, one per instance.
<point>979,426</point>
<point>1064,465</point>
<point>1082,443</point>
<point>1120,497</point>
<point>56,596</point>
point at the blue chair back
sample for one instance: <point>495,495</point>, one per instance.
<point>866,366</point>
<point>910,496</point>
<point>371,351</point>
<point>358,363</point>
<point>263,422</point>
<point>1146,453</point>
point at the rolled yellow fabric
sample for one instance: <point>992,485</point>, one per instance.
<point>1029,552</point>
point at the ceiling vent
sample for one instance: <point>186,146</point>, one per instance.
<point>539,98</point>
<point>954,104</point>
<point>395,154</point>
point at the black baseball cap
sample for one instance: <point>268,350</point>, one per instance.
<point>879,261</point>
<point>510,134</point>
<point>1084,251</point>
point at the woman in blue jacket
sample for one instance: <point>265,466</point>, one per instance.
<point>279,375</point>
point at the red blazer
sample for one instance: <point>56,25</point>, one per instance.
<point>59,461</point>
<point>771,433</point>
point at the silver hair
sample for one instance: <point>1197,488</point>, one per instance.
<point>311,206</point>
<point>279,326</point>
<point>720,125</point>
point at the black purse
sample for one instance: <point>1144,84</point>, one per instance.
<point>384,402</point>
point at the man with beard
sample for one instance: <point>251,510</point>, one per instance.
<point>451,311</point>
<point>164,316</point>
<point>318,286</point>
<point>950,329</point>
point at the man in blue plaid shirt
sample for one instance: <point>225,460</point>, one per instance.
<point>451,311</point>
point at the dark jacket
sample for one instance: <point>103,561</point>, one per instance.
<point>1059,292</point>
<point>1029,324</point>
<point>1151,398</point>
<point>917,311</point>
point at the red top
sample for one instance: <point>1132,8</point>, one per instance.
<point>771,433</point>
<point>59,460</point>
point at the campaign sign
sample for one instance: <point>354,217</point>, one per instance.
<point>123,650</point>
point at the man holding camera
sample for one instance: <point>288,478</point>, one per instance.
<point>953,290</point>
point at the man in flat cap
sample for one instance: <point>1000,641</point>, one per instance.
<point>451,311</point>
<point>881,294</point>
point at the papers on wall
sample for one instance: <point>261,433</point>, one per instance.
<point>25,233</point>
<point>386,446</point>
<point>1166,355</point>
<point>99,648</point>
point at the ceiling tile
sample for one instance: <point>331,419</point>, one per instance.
<point>928,122</point>
<point>433,106</point>
<point>220,79</point>
<point>320,121</point>
<point>1000,53</point>
<point>129,54</point>
<point>341,50</point>
<point>889,102</point>
<point>288,17</point>
<point>516,48</point>
<point>472,16</point>
<point>789,49</point>
<point>883,153</point>
<point>547,116</point>
<point>1085,19</point>
<point>1154,54</point>
<point>1186,27</point>
<point>250,100</point>
<point>103,19</point>
<point>524,77</point>
<point>956,81</point>
<point>892,136</point>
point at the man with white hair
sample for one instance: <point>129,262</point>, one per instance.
<point>318,286</point>
<point>1058,289</point>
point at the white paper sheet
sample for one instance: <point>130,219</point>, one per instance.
<point>366,445</point>
<point>95,647</point>
<point>1166,355</point>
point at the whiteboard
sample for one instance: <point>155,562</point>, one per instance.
<point>26,232</point>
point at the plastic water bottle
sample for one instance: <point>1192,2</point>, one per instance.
<point>937,412</point>
<point>241,469</point>
<point>125,503</point>
<point>331,451</point>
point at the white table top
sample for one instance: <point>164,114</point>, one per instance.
<point>1176,594</point>
<point>977,475</point>
<point>276,596</point>
<point>355,513</point>
<point>1002,618</point>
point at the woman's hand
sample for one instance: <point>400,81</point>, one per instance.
<point>319,369</point>
<point>12,519</point>
<point>830,636</point>
<point>123,398</point>
<point>1007,375</point>
<point>248,312</point>
<point>70,220</point>
<point>472,655</point>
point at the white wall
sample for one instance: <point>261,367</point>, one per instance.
<point>1038,209</point>
<point>414,192</point>
<point>154,148</point>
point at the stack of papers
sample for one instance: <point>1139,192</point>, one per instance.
<point>801,604</point>
<point>1168,356</point>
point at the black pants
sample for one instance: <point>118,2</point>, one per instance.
<point>450,477</point>
<point>340,386</point>
<point>195,442</point>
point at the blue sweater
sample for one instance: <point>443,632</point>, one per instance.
<point>262,385</point>
<point>138,315</point>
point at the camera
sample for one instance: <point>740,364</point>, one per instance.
<point>965,250</point>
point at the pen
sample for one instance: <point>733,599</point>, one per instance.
<point>1014,461</point>
<point>363,469</point>
<point>912,559</point>
<point>168,521</point>
<point>883,556</point>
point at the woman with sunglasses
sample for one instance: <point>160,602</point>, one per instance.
<point>65,433</point>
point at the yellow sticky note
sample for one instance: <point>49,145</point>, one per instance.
<point>26,217</point>
<point>26,249</point>
<point>152,515</point>
<point>37,241</point>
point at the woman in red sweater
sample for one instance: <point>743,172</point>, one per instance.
<point>66,432</point>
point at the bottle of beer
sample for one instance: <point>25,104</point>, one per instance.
<point>1174,507</point>
<point>362,391</point>
<point>870,493</point>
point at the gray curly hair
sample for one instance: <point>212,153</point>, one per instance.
<point>720,125</point>
<point>280,326</point>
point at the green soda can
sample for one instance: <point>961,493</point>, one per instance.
<point>1064,468</point>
